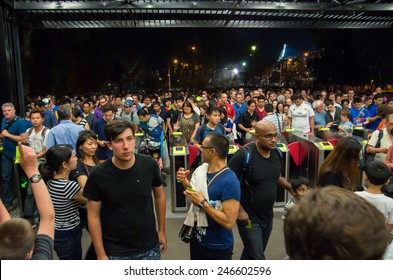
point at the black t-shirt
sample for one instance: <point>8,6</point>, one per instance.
<point>127,214</point>
<point>173,114</point>
<point>246,119</point>
<point>331,179</point>
<point>43,248</point>
<point>81,170</point>
<point>259,196</point>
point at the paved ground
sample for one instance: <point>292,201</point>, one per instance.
<point>178,250</point>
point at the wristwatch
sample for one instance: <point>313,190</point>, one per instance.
<point>35,178</point>
<point>200,204</point>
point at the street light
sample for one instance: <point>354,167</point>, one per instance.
<point>175,61</point>
<point>252,54</point>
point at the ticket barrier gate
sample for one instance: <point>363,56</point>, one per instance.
<point>307,154</point>
<point>362,132</point>
<point>178,154</point>
<point>232,150</point>
<point>139,137</point>
<point>281,194</point>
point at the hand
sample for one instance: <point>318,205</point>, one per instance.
<point>182,174</point>
<point>163,241</point>
<point>383,150</point>
<point>5,133</point>
<point>101,143</point>
<point>105,257</point>
<point>194,196</point>
<point>329,124</point>
<point>28,159</point>
<point>243,216</point>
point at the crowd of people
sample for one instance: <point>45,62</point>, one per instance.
<point>102,157</point>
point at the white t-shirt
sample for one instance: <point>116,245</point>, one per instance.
<point>383,203</point>
<point>301,116</point>
<point>37,142</point>
<point>385,143</point>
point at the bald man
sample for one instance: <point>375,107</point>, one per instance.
<point>258,189</point>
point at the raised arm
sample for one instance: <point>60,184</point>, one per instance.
<point>28,162</point>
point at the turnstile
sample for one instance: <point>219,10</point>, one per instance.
<point>282,194</point>
<point>178,154</point>
<point>312,153</point>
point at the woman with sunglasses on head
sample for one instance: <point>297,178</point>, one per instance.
<point>86,147</point>
<point>66,196</point>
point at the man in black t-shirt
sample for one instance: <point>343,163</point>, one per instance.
<point>120,204</point>
<point>173,114</point>
<point>258,189</point>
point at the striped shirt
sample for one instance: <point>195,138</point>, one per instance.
<point>276,120</point>
<point>66,209</point>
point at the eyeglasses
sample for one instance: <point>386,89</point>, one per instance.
<point>206,147</point>
<point>267,136</point>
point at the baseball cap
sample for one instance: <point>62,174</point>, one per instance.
<point>127,103</point>
<point>198,98</point>
<point>46,100</point>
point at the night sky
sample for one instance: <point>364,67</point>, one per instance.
<point>84,59</point>
<point>155,46</point>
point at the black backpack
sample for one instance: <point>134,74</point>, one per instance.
<point>203,129</point>
<point>366,158</point>
<point>247,159</point>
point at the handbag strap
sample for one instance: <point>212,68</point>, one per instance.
<point>215,176</point>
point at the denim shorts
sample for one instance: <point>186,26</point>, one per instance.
<point>152,254</point>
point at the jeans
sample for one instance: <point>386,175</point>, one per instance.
<point>30,205</point>
<point>153,254</point>
<point>255,239</point>
<point>7,171</point>
<point>68,243</point>
<point>198,252</point>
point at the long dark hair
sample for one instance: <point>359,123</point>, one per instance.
<point>343,162</point>
<point>84,135</point>
<point>223,111</point>
<point>55,157</point>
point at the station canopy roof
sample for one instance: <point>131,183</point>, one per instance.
<point>210,14</point>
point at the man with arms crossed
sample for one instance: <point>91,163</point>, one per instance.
<point>120,205</point>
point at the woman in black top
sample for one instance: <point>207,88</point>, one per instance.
<point>86,147</point>
<point>340,168</point>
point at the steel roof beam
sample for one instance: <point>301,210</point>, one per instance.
<point>198,5</point>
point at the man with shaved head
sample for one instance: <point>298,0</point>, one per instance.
<point>258,180</point>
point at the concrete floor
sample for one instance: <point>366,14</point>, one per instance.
<point>178,250</point>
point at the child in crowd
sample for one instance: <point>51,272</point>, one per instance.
<point>345,126</point>
<point>377,175</point>
<point>156,156</point>
<point>300,185</point>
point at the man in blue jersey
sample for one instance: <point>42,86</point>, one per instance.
<point>214,242</point>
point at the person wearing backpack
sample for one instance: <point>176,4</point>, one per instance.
<point>380,145</point>
<point>13,130</point>
<point>36,139</point>
<point>258,167</point>
<point>213,125</point>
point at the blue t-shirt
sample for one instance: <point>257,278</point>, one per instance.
<point>17,128</point>
<point>208,130</point>
<point>319,118</point>
<point>359,119</point>
<point>373,112</point>
<point>239,109</point>
<point>215,237</point>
